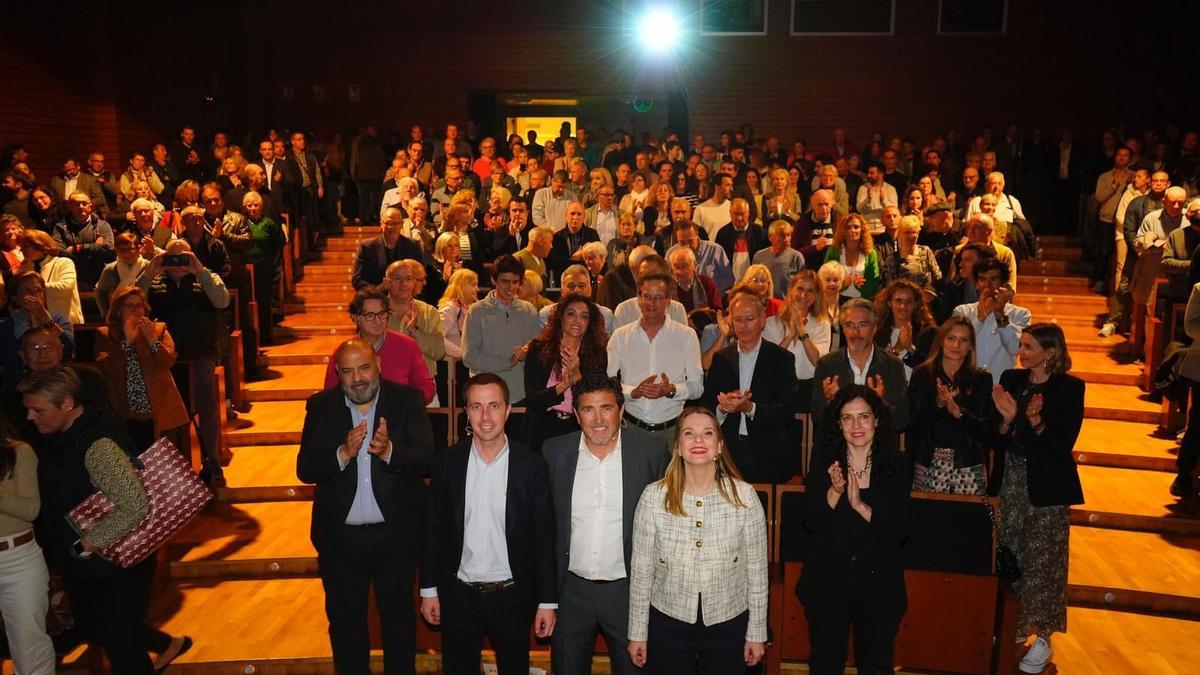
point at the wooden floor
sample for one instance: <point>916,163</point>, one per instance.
<point>244,581</point>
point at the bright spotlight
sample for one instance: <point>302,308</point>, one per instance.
<point>659,30</point>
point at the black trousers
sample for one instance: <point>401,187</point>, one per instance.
<point>829,632</point>
<point>1189,449</point>
<point>674,647</point>
<point>366,555</point>
<point>264,292</point>
<point>468,615</point>
<point>584,608</point>
<point>111,613</point>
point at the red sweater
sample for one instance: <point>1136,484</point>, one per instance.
<point>400,361</point>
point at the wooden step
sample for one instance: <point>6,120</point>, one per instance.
<point>1049,253</point>
<point>268,423</point>
<point>1070,304</point>
<point>1101,368</point>
<point>1086,339</point>
<point>1135,571</point>
<point>1129,499</point>
<point>322,293</point>
<point>1046,267</point>
<point>314,306</point>
<point>1107,642</point>
<point>1126,445</point>
<point>320,322</point>
<point>313,349</point>
<point>1059,240</point>
<point>1048,283</point>
<point>342,245</point>
<point>336,258</point>
<point>1119,402</point>
<point>260,539</point>
<point>263,473</point>
<point>284,383</point>
<point>331,273</point>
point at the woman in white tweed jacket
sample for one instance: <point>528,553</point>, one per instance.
<point>698,583</point>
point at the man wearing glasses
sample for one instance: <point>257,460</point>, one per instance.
<point>400,358</point>
<point>859,362</point>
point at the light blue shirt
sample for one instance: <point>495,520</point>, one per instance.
<point>364,510</point>
<point>746,363</point>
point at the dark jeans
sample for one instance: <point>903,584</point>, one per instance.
<point>1189,449</point>
<point>468,615</point>
<point>264,291</point>
<point>1120,304</point>
<point>370,555</point>
<point>674,647</point>
<point>111,612</point>
<point>1105,245</point>
<point>829,631</point>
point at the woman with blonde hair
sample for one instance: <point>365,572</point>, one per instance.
<point>912,261</point>
<point>855,250</point>
<point>832,276</point>
<point>599,177</point>
<point>531,290</point>
<point>62,290</point>
<point>758,280</point>
<point>638,198</point>
<point>698,575</point>
<point>136,354</point>
<point>461,292</point>
<point>803,328</point>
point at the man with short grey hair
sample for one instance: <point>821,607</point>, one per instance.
<point>860,362</point>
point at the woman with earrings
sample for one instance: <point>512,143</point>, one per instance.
<point>698,577</point>
<point>1041,412</point>
<point>857,511</point>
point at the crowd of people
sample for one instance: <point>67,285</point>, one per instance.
<point>686,308</point>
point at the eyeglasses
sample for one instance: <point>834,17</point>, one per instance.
<point>42,348</point>
<point>375,316</point>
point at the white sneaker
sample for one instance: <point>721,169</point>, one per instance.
<point>1037,658</point>
<point>1108,329</point>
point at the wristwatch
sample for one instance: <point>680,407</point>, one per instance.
<point>803,338</point>
<point>671,394</point>
<point>1002,321</point>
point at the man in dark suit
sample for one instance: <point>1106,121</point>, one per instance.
<point>608,467</point>
<point>72,180</point>
<point>752,386</point>
<point>569,241</point>
<point>375,435</point>
<point>860,362</point>
<point>304,176</point>
<point>489,565</point>
<point>376,253</point>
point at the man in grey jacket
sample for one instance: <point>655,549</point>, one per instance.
<point>499,327</point>
<point>597,476</point>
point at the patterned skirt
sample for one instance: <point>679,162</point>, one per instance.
<point>1039,536</point>
<point>942,477</point>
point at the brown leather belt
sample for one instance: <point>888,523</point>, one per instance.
<point>19,540</point>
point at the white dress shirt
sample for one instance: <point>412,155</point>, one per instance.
<point>675,350</point>
<point>996,346</point>
<point>1007,209</point>
<point>606,225</point>
<point>597,525</point>
<point>364,510</point>
<point>485,548</point>
<point>860,375</point>
<point>629,311</point>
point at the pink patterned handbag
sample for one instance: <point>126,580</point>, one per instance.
<point>175,494</point>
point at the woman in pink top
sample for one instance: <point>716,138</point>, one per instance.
<point>400,358</point>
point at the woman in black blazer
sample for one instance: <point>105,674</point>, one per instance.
<point>857,509</point>
<point>573,344</point>
<point>951,415</point>
<point>1041,412</point>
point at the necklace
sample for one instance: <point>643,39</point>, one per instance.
<point>859,473</point>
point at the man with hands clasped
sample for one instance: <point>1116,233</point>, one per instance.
<point>859,362</point>
<point>367,445</point>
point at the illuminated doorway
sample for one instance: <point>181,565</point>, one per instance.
<point>546,127</point>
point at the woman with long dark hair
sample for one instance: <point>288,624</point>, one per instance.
<point>857,510</point>
<point>698,576</point>
<point>1041,412</point>
<point>952,419</point>
<point>906,327</point>
<point>44,209</point>
<point>82,449</point>
<point>23,574</point>
<point>573,345</point>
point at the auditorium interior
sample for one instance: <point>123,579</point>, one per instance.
<point>789,84</point>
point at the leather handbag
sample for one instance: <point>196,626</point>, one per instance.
<point>1007,567</point>
<point>175,495</point>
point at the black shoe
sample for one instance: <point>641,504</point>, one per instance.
<point>1181,487</point>
<point>183,649</point>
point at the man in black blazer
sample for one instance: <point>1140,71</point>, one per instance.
<point>569,241</point>
<point>610,467</point>
<point>489,563</point>
<point>752,387</point>
<point>367,446</point>
<point>376,253</point>
<point>860,362</point>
